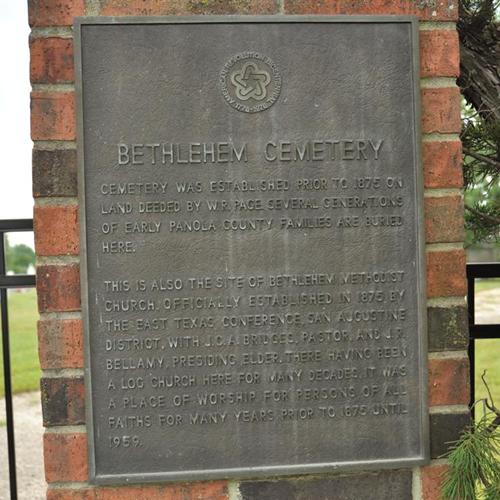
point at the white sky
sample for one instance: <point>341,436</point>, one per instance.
<point>16,201</point>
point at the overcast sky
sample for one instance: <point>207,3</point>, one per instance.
<point>16,201</point>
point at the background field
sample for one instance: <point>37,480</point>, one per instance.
<point>488,351</point>
<point>488,358</point>
<point>25,366</point>
<point>487,284</point>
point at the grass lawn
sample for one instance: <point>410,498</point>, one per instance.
<point>487,355</point>
<point>25,367</point>
<point>486,284</point>
<point>488,358</point>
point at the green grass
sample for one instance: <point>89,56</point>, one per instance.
<point>487,355</point>
<point>487,358</point>
<point>486,284</point>
<point>23,343</point>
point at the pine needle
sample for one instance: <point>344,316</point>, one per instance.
<point>474,460</point>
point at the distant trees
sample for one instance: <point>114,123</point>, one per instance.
<point>18,257</point>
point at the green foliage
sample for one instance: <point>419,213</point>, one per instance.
<point>18,258</point>
<point>482,214</point>
<point>480,83</point>
<point>480,12</point>
<point>481,145</point>
<point>474,460</point>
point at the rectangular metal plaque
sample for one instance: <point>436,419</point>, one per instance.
<point>252,254</point>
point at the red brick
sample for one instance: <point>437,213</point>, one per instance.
<point>52,116</point>
<point>63,401</point>
<point>56,230</point>
<point>195,491</point>
<point>439,10</point>
<point>442,164</point>
<point>60,343</point>
<point>58,288</point>
<point>54,173</point>
<point>439,53</point>
<point>448,381</point>
<point>51,60</point>
<point>444,219</point>
<point>445,429</point>
<point>65,457</point>
<point>446,274</point>
<point>432,479</point>
<point>60,494</point>
<point>441,110</point>
<point>54,12</point>
<point>176,7</point>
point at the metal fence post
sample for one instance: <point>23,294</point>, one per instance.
<point>481,331</point>
<point>6,282</point>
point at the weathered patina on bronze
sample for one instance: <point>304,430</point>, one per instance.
<point>252,252</point>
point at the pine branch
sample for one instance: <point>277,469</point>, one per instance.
<point>490,403</point>
<point>482,158</point>
<point>479,52</point>
<point>474,459</point>
<point>488,218</point>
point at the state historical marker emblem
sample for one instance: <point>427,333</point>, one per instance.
<point>250,82</point>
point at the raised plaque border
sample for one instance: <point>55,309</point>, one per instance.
<point>265,471</point>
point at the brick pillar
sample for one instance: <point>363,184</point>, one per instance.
<point>57,247</point>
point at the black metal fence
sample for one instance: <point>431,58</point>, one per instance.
<point>6,282</point>
<point>479,331</point>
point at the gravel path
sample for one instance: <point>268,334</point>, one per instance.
<point>28,437</point>
<point>488,307</point>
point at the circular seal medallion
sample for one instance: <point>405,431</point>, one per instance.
<point>250,82</point>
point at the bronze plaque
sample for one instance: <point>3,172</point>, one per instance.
<point>252,253</point>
